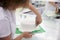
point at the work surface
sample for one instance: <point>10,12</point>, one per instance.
<point>50,26</point>
<point>51,29</point>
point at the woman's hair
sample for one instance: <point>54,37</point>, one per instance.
<point>7,3</point>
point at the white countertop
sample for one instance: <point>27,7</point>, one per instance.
<point>50,34</point>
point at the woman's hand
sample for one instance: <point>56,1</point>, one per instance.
<point>27,35</point>
<point>38,20</point>
<point>24,35</point>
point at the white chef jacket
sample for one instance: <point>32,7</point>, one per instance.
<point>7,22</point>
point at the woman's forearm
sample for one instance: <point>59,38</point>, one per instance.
<point>32,8</point>
<point>19,37</point>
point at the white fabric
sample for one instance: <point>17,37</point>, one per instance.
<point>11,17</point>
<point>1,13</point>
<point>4,24</point>
<point>7,23</point>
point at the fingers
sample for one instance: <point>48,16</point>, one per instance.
<point>27,35</point>
<point>38,20</point>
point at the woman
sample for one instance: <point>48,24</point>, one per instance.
<point>7,19</point>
